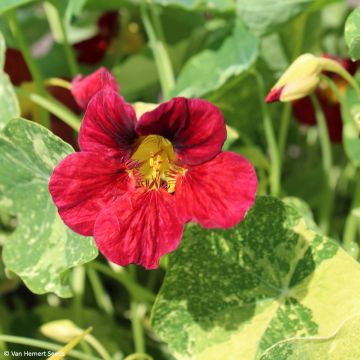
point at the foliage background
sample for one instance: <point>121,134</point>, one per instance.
<point>281,285</point>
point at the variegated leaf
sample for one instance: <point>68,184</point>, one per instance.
<point>232,294</point>
<point>42,248</point>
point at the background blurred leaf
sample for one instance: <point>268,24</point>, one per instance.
<point>6,5</point>
<point>350,132</point>
<point>233,294</point>
<point>352,34</point>
<point>209,70</point>
<point>262,16</point>
<point>42,247</point>
<point>210,5</point>
<point>344,344</point>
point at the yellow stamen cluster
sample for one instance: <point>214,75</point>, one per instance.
<point>157,160</point>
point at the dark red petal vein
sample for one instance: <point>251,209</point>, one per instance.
<point>83,184</point>
<point>108,124</point>
<point>218,193</point>
<point>194,126</point>
<point>84,88</point>
<point>139,228</point>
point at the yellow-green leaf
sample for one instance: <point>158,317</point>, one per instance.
<point>232,294</point>
<point>342,345</point>
<point>42,248</point>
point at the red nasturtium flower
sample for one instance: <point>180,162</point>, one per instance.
<point>304,111</point>
<point>19,74</point>
<point>136,182</point>
<point>91,51</point>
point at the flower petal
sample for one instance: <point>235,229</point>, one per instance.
<point>139,228</point>
<point>82,184</point>
<point>194,126</point>
<point>217,193</point>
<point>108,124</point>
<point>84,88</point>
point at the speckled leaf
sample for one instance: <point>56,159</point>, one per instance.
<point>210,5</point>
<point>352,34</point>
<point>9,106</point>
<point>42,248</point>
<point>209,70</point>
<point>344,344</point>
<point>231,294</point>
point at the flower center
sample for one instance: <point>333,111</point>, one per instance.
<point>157,158</point>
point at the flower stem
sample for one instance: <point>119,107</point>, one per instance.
<point>327,163</point>
<point>44,345</point>
<point>95,343</point>
<point>137,329</point>
<point>352,222</point>
<point>162,59</point>
<point>284,129</point>
<point>59,83</point>
<point>134,289</point>
<point>53,106</point>
<point>101,297</point>
<point>341,100</point>
<point>59,33</point>
<point>34,70</point>
<point>78,285</point>
<point>270,138</point>
<point>335,67</point>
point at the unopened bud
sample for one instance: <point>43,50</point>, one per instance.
<point>60,330</point>
<point>299,80</point>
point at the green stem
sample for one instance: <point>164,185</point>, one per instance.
<point>95,343</point>
<point>134,289</point>
<point>327,164</point>
<point>44,345</point>
<point>69,53</point>
<point>270,138</point>
<point>341,100</point>
<point>333,66</point>
<point>136,323</point>
<point>78,285</point>
<point>59,32</point>
<point>162,60</point>
<point>58,82</point>
<point>101,297</point>
<point>53,106</point>
<point>352,222</point>
<point>34,70</point>
<point>284,129</point>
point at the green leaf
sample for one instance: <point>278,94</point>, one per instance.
<point>9,106</point>
<point>352,34</point>
<point>204,5</point>
<point>351,108</point>
<point>74,9</point>
<point>209,70</point>
<point>344,344</point>
<point>231,294</point>
<point>262,16</point>
<point>42,248</point>
<point>6,5</point>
